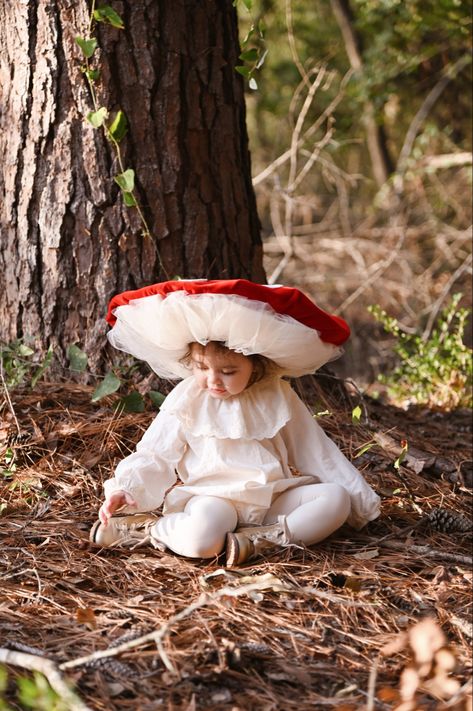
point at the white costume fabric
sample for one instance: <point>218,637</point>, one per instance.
<point>242,449</point>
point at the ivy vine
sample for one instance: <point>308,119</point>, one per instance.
<point>116,128</point>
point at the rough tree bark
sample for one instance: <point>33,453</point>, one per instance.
<point>67,243</point>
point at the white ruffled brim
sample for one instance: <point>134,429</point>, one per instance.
<point>159,330</point>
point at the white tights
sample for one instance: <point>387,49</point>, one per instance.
<point>312,513</point>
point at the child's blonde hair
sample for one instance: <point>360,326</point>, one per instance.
<point>263,368</point>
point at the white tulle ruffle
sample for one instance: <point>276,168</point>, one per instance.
<point>258,413</point>
<point>158,330</point>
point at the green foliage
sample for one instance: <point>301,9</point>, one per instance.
<point>436,371</point>
<point>405,48</point>
<point>33,693</point>
<point>18,365</point>
<point>109,385</point>
<point>254,49</point>
<point>77,358</point>
<point>108,15</point>
<point>119,127</point>
<point>126,180</point>
<point>88,46</point>
<point>97,118</point>
<point>37,694</point>
<point>116,131</point>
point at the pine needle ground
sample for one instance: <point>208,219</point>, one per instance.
<point>321,628</point>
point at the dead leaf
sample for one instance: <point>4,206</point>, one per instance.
<point>367,555</point>
<point>86,616</point>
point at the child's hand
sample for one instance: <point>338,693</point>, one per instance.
<point>114,502</point>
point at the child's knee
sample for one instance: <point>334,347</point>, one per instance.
<point>340,499</point>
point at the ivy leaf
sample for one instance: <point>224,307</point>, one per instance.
<point>402,455</point>
<point>77,358</point>
<point>365,448</point>
<point>25,351</point>
<point>126,180</point>
<point>97,118</point>
<point>45,364</point>
<point>133,402</point>
<point>118,127</point>
<point>356,414</point>
<point>245,71</point>
<point>156,398</point>
<point>88,46</point>
<point>129,200</point>
<point>109,385</point>
<point>92,74</point>
<point>107,14</point>
<point>251,55</point>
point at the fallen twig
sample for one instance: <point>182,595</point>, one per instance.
<point>428,552</point>
<point>266,582</point>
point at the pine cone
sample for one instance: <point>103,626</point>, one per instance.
<point>448,521</point>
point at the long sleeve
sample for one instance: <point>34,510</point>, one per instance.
<point>150,471</point>
<point>312,452</point>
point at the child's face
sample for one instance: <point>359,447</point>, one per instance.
<point>222,374</point>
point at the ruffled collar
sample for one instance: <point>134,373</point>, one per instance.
<point>258,413</point>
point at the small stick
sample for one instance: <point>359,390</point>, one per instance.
<point>429,552</point>
<point>203,600</point>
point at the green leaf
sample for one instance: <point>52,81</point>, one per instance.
<point>156,398</point>
<point>245,71</point>
<point>88,46</point>
<point>402,456</point>
<point>252,84</point>
<point>118,127</point>
<point>251,55</point>
<point>109,385</point>
<point>356,414</point>
<point>25,351</point>
<point>133,402</point>
<point>45,364</point>
<point>365,448</point>
<point>126,180</point>
<point>107,14</point>
<point>97,118</point>
<point>92,74</point>
<point>248,4</point>
<point>77,359</point>
<point>129,200</point>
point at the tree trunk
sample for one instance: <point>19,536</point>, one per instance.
<point>381,165</point>
<point>67,242</point>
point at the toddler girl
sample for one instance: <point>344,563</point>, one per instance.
<point>254,467</point>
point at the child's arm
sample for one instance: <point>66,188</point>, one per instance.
<point>312,452</point>
<point>142,479</point>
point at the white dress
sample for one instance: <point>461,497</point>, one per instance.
<point>243,449</point>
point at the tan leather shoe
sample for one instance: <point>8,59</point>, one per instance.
<point>248,543</point>
<point>124,531</point>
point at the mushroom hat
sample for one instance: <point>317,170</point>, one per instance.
<point>157,323</point>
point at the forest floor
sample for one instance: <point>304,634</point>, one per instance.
<point>375,619</point>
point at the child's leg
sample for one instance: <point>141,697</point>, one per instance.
<point>312,512</point>
<point>200,530</point>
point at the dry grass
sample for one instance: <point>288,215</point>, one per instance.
<point>309,635</point>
